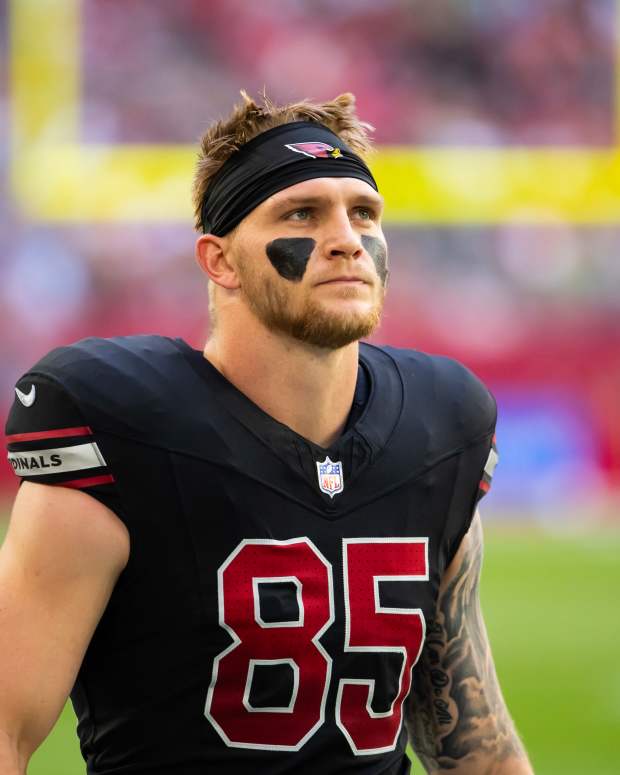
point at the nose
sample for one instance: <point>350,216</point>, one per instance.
<point>342,240</point>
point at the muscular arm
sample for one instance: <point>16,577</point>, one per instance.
<point>457,718</point>
<point>58,566</point>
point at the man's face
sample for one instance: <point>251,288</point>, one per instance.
<point>312,261</point>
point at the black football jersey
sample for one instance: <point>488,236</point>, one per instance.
<point>277,593</point>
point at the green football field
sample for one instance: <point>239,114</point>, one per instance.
<point>552,608</point>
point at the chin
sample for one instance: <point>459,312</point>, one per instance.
<point>333,329</point>
<point>352,312</point>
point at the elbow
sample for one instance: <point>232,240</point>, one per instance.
<point>15,752</point>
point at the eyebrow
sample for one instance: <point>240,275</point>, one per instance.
<point>304,201</point>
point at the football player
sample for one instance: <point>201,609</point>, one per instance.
<point>265,556</point>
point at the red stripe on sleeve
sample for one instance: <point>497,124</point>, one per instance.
<point>59,433</point>
<point>91,481</point>
<point>484,486</point>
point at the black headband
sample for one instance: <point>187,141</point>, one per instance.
<point>271,161</point>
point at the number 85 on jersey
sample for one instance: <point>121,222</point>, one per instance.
<point>369,627</point>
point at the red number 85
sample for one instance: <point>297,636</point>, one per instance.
<point>369,627</point>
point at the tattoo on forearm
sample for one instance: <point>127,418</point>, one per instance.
<point>456,713</point>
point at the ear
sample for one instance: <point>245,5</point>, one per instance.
<point>211,257</point>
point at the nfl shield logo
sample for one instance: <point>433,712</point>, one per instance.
<point>331,480</point>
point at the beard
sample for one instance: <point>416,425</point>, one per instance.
<point>311,324</point>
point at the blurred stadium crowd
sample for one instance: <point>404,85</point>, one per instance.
<point>534,310</point>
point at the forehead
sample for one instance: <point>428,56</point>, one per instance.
<point>327,190</point>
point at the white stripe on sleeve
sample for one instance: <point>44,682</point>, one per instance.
<point>43,462</point>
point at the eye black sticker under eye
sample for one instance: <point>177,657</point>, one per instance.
<point>290,256</point>
<point>377,250</point>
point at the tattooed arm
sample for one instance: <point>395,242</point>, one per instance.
<point>457,719</point>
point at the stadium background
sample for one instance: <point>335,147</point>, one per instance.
<point>498,151</point>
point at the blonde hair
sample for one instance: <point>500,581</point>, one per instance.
<point>249,119</point>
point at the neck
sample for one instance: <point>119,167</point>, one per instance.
<point>307,388</point>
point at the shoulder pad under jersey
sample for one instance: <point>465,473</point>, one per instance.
<point>124,385</point>
<point>446,407</point>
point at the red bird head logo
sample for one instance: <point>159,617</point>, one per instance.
<point>315,150</point>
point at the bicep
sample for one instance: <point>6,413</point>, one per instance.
<point>58,565</point>
<point>457,715</point>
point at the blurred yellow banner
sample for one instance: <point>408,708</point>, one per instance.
<point>57,178</point>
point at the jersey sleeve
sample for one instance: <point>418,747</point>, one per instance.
<point>473,482</point>
<point>487,472</point>
<point>475,418</point>
<point>49,442</point>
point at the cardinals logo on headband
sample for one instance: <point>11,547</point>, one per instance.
<point>315,150</point>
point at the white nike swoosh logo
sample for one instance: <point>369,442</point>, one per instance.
<point>27,399</point>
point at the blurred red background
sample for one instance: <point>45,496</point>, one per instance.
<point>534,310</point>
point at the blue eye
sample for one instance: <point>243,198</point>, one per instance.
<point>299,215</point>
